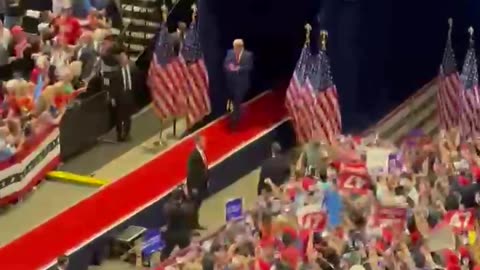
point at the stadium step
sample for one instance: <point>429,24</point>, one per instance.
<point>141,20</point>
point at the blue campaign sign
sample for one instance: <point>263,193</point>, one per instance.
<point>152,242</point>
<point>234,209</point>
<point>334,207</point>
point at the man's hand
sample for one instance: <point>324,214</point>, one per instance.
<point>268,181</point>
<point>233,67</point>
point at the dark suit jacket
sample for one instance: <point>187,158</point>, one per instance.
<point>122,98</point>
<point>277,169</point>
<point>238,81</point>
<point>197,173</point>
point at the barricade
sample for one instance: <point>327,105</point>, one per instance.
<point>24,170</point>
<point>83,123</point>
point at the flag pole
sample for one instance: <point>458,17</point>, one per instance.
<point>323,40</point>
<point>194,16</point>
<point>160,141</point>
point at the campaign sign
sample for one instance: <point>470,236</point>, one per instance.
<point>395,165</point>
<point>152,242</point>
<point>234,209</point>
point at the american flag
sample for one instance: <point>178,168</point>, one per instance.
<point>198,100</point>
<point>326,121</point>
<point>449,89</point>
<point>469,96</point>
<point>299,98</point>
<point>166,79</point>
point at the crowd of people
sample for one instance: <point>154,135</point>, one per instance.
<point>42,73</point>
<point>330,209</point>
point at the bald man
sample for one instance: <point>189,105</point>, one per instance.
<point>238,65</point>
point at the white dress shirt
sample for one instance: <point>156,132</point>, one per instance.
<point>204,158</point>
<point>127,78</point>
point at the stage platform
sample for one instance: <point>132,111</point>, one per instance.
<point>82,227</point>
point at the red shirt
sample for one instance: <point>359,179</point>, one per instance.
<point>69,29</point>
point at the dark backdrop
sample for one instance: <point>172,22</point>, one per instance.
<point>381,50</point>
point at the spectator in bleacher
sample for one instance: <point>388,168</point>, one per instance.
<point>60,54</point>
<point>14,136</point>
<point>276,168</point>
<point>86,54</point>
<point>20,41</point>
<point>68,27</point>
<point>14,13</point>
<point>5,39</point>
<point>96,20</point>
<point>5,35</point>
<point>6,150</point>
<point>41,69</point>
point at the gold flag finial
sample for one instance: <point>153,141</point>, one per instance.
<point>323,40</point>
<point>194,12</point>
<point>308,29</point>
<point>450,26</point>
<point>164,12</point>
<point>470,31</point>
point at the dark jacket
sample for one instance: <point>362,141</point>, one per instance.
<point>14,8</point>
<point>197,173</point>
<point>276,168</point>
<point>239,81</point>
<point>88,57</point>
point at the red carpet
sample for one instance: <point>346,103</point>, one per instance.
<point>87,219</point>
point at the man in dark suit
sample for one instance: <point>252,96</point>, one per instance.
<point>238,65</point>
<point>197,177</point>
<point>124,97</point>
<point>276,168</point>
<point>118,81</point>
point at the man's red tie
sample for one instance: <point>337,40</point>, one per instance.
<point>237,57</point>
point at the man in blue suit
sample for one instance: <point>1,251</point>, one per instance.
<point>238,65</point>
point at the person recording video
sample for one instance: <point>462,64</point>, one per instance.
<point>176,211</point>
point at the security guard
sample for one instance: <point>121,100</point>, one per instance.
<point>111,82</point>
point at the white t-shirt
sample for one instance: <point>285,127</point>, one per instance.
<point>5,38</point>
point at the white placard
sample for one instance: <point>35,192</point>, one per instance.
<point>377,160</point>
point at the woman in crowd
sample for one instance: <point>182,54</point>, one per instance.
<point>61,54</point>
<point>41,69</point>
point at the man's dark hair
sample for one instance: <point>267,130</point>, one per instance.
<point>62,261</point>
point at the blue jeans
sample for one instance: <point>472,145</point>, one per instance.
<point>11,21</point>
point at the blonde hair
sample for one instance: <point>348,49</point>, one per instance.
<point>76,68</point>
<point>238,42</point>
<point>42,61</point>
<point>12,85</point>
<point>63,72</point>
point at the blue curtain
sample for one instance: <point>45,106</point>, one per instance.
<point>381,50</point>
